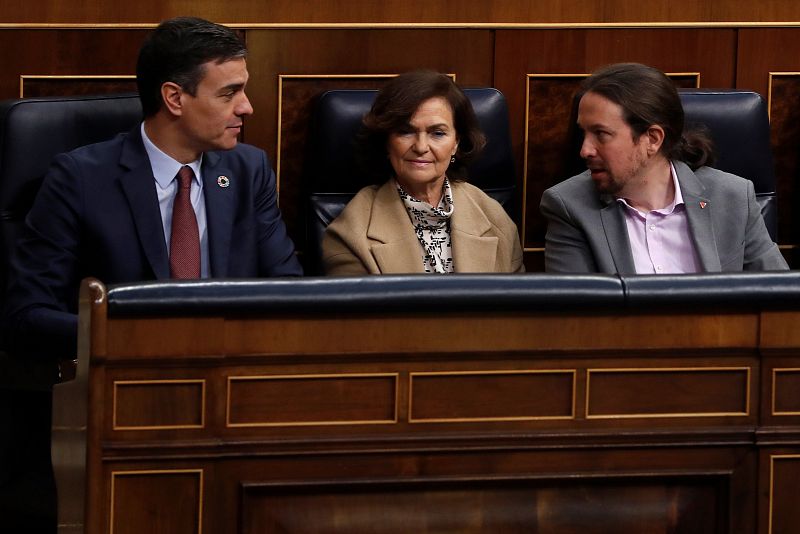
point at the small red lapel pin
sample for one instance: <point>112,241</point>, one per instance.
<point>702,204</point>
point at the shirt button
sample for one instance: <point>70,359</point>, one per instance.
<point>652,226</point>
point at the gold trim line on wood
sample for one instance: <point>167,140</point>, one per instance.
<point>657,415</point>
<point>573,403</point>
<point>200,381</point>
<point>775,74</point>
<point>395,376</point>
<point>775,371</point>
<point>23,77</point>
<point>199,472</point>
<point>412,25</point>
<point>772,458</point>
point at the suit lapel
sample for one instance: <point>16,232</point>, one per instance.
<point>617,236</point>
<point>473,251</point>
<point>398,249</point>
<point>138,185</point>
<point>698,213</point>
<point>219,212</point>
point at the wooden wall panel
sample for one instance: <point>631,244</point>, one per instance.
<point>402,11</point>
<point>66,52</point>
<point>768,61</point>
<point>520,53</point>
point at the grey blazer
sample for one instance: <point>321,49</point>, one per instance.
<point>586,231</point>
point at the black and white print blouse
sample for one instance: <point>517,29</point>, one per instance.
<point>432,226</point>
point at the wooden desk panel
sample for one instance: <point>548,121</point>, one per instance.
<point>516,421</point>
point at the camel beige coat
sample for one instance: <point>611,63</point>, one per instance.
<point>374,235</point>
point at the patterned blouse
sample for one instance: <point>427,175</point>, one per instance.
<point>432,226</point>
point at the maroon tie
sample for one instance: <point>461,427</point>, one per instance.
<point>184,245</point>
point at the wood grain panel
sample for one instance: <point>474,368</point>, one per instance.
<point>691,392</point>
<point>769,62</point>
<point>66,53</point>
<point>492,396</point>
<point>784,514</point>
<point>345,335</point>
<point>312,400</point>
<point>37,86</point>
<point>786,392</point>
<point>396,11</point>
<point>158,404</point>
<point>621,505</point>
<point>156,501</point>
<point>779,329</point>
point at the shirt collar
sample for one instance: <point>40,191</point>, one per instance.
<point>164,167</point>
<point>677,199</point>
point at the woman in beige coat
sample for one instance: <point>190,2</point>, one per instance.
<point>421,133</point>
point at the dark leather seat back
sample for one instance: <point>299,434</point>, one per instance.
<point>739,125</point>
<point>32,132</point>
<point>333,175</point>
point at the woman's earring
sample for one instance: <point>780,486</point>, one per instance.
<point>452,159</point>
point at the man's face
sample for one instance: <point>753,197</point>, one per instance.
<point>615,158</point>
<point>212,118</point>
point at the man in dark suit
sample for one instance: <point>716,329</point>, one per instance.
<point>111,210</point>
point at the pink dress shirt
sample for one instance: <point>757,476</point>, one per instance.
<point>661,242</point>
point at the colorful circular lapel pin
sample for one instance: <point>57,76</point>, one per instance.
<point>223,181</point>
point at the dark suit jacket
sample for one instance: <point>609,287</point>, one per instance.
<point>586,231</point>
<point>97,214</point>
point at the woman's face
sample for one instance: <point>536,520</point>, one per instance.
<point>420,153</point>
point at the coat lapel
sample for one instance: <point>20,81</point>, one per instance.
<point>473,251</point>
<point>617,236</point>
<point>219,212</point>
<point>138,186</point>
<point>698,213</point>
<point>398,249</point>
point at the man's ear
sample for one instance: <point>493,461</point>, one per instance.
<point>171,94</point>
<point>655,138</point>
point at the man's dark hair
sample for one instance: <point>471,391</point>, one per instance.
<point>177,51</point>
<point>648,97</point>
<point>392,111</point>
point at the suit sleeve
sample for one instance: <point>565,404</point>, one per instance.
<point>276,255</point>
<point>566,249</point>
<point>40,312</point>
<point>760,252</point>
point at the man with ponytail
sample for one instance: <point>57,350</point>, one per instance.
<point>648,202</point>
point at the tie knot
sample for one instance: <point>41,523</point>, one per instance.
<point>185,176</point>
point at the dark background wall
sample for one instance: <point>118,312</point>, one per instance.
<point>534,51</point>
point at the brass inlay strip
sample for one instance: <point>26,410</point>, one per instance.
<point>199,472</point>
<point>109,77</point>
<point>772,459</point>
<point>411,418</point>
<point>395,376</point>
<point>666,370</point>
<point>117,383</point>
<point>769,89</point>
<point>775,372</point>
